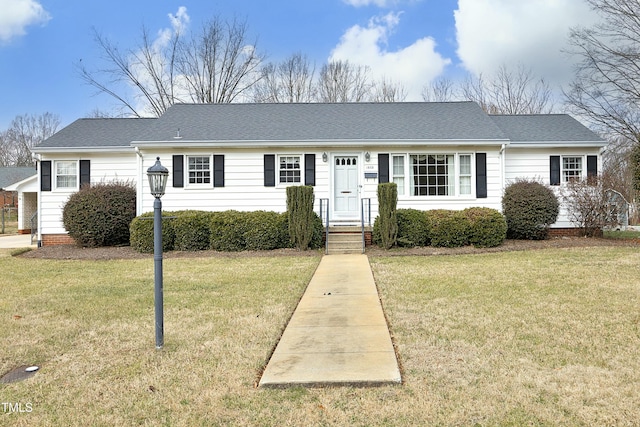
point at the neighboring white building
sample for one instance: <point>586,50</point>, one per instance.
<point>243,156</point>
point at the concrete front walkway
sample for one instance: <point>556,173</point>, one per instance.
<point>12,241</point>
<point>338,333</point>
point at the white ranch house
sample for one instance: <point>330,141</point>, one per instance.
<point>243,156</point>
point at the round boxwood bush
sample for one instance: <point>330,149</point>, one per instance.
<point>447,228</point>
<point>141,232</point>
<point>529,208</point>
<point>100,215</point>
<point>413,228</point>
<point>487,227</point>
<point>192,230</point>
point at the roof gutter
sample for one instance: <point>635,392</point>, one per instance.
<point>45,150</point>
<point>558,144</point>
<point>315,142</point>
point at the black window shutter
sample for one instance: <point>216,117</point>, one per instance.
<point>45,175</point>
<point>309,169</point>
<point>554,167</point>
<point>218,170</point>
<point>383,168</point>
<point>592,166</point>
<point>269,170</point>
<point>178,171</point>
<point>481,175</point>
<point>85,172</point>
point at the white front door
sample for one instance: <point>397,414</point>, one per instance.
<point>345,196</point>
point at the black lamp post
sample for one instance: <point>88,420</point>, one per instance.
<point>158,175</point>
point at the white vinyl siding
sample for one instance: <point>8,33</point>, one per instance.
<point>120,167</point>
<point>531,163</point>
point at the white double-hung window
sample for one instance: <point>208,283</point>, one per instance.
<point>199,169</point>
<point>289,170</point>
<point>465,174</point>
<point>66,174</point>
<point>398,173</point>
<point>571,168</point>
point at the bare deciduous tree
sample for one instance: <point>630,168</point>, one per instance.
<point>216,65</point>
<point>617,173</point>
<point>509,92</point>
<point>219,65</point>
<point>24,133</point>
<point>387,91</point>
<point>589,206</point>
<point>606,88</point>
<point>440,90</point>
<point>340,81</point>
<point>292,80</point>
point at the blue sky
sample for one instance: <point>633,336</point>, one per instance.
<point>409,41</point>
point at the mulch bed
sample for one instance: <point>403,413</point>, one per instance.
<point>126,252</point>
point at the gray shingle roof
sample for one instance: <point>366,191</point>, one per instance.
<point>397,122</point>
<point>97,133</point>
<point>324,122</point>
<point>545,128</point>
<point>11,175</point>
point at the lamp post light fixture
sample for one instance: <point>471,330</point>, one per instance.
<point>158,175</point>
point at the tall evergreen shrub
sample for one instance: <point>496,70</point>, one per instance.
<point>301,215</point>
<point>387,218</point>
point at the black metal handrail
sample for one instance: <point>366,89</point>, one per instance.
<point>362,217</point>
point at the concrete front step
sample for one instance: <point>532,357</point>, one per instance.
<point>344,243</point>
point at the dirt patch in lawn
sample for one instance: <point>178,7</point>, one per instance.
<point>126,252</point>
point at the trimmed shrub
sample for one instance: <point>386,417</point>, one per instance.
<point>227,231</point>
<point>387,219</point>
<point>447,228</point>
<point>100,215</point>
<point>487,227</point>
<point>265,231</point>
<point>413,228</point>
<point>301,215</point>
<point>318,233</point>
<point>530,208</point>
<point>141,232</point>
<point>192,230</point>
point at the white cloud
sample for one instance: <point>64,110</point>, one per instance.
<point>16,15</point>
<point>533,33</point>
<point>412,66</point>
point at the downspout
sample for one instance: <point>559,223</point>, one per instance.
<point>139,183</point>
<point>502,166</point>
<point>38,158</point>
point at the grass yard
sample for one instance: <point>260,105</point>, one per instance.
<point>547,337</point>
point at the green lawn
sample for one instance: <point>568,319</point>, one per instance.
<point>546,337</point>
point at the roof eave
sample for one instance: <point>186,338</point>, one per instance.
<point>184,143</point>
<point>558,144</point>
<point>95,149</point>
